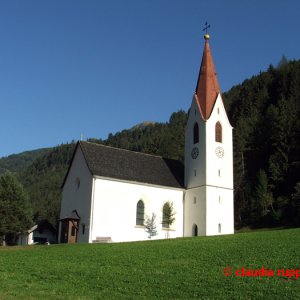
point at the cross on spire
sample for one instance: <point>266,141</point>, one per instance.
<point>206,27</point>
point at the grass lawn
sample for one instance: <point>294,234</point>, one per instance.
<point>168,269</point>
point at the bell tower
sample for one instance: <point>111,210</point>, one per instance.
<point>208,203</point>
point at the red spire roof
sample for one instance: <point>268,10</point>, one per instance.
<point>208,87</point>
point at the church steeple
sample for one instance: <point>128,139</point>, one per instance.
<point>208,159</point>
<point>207,88</point>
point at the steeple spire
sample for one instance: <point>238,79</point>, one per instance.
<point>207,88</point>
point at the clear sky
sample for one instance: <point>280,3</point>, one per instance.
<point>70,67</point>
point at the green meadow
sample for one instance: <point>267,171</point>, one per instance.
<point>187,268</point>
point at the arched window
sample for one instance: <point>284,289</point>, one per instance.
<point>218,129</point>
<point>195,230</point>
<point>196,133</point>
<point>165,223</point>
<point>219,228</point>
<point>140,211</point>
<point>77,183</point>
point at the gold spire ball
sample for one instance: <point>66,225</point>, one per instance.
<point>206,36</point>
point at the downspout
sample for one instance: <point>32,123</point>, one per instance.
<point>92,212</point>
<point>183,210</point>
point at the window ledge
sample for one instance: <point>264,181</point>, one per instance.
<point>139,226</point>
<point>168,229</point>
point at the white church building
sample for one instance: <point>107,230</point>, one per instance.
<point>108,193</point>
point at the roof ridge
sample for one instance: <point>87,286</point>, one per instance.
<point>131,151</point>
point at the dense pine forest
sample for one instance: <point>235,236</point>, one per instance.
<point>265,114</point>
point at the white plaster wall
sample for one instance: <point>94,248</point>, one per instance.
<point>30,238</point>
<point>198,164</point>
<point>78,198</point>
<point>219,171</point>
<point>195,211</point>
<point>114,213</point>
<point>213,206</point>
<point>207,164</point>
<point>214,175</point>
<point>219,210</point>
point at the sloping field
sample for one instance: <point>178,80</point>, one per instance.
<point>256,265</point>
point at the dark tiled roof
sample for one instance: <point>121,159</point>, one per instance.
<point>132,166</point>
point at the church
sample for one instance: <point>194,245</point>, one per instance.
<point>109,193</point>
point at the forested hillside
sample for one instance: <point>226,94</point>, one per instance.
<point>43,179</point>
<point>17,162</point>
<point>265,114</point>
<point>164,139</point>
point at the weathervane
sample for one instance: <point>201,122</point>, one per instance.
<point>206,27</point>
<point>206,36</point>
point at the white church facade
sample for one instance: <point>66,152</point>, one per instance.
<point>108,193</point>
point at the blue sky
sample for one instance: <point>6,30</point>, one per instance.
<point>93,67</point>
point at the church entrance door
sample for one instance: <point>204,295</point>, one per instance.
<point>69,229</point>
<point>195,230</point>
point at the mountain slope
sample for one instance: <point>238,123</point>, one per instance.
<point>265,112</point>
<point>17,162</point>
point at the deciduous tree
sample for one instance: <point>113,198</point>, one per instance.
<point>150,226</point>
<point>168,216</point>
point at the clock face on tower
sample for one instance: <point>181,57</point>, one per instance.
<point>195,153</point>
<point>219,152</point>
